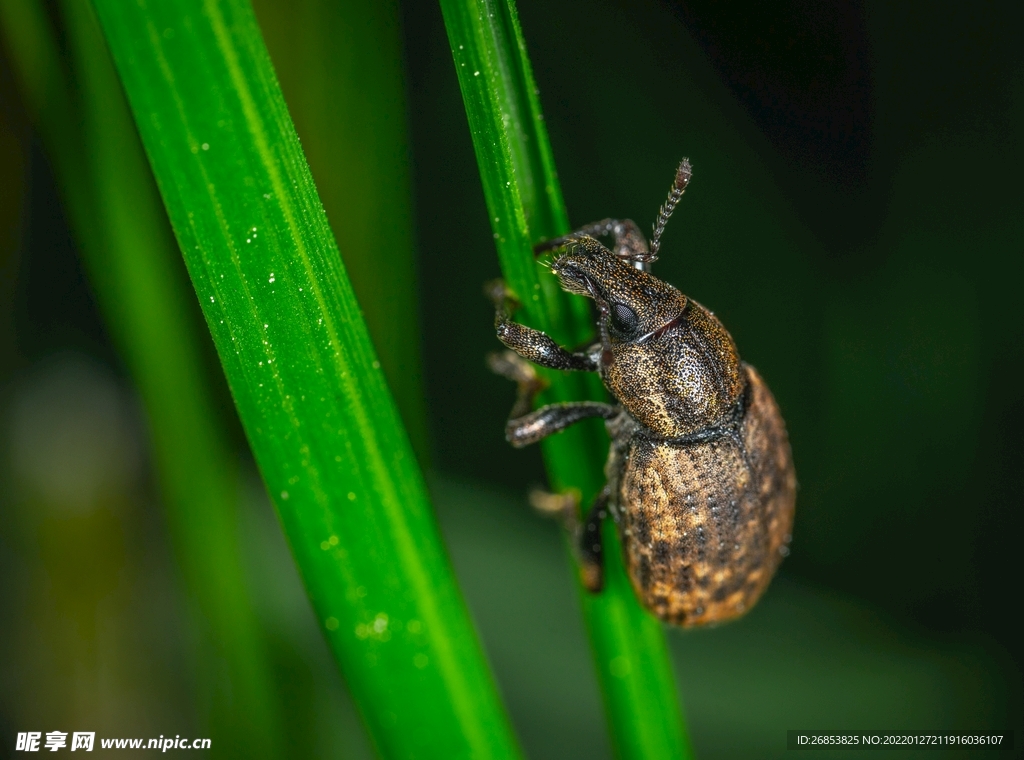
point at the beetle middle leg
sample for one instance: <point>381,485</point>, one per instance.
<point>525,426</point>
<point>586,536</point>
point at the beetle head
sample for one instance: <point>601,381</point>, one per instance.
<point>633,304</point>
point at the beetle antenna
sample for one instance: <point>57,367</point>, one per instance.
<point>683,174</point>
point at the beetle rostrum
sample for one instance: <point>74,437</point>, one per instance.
<point>700,478</point>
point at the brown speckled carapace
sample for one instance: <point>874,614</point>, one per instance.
<point>700,477</point>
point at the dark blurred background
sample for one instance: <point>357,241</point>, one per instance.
<point>854,220</point>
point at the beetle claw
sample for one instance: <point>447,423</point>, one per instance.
<point>501,296</point>
<point>564,507</point>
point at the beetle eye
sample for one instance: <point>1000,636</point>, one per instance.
<point>624,319</point>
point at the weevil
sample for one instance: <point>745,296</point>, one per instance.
<point>700,477</point>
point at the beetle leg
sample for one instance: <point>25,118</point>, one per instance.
<point>629,242</point>
<point>586,537</point>
<point>531,427</point>
<point>510,365</point>
<point>524,426</point>
<point>539,348</point>
<point>529,343</point>
<point>591,545</point>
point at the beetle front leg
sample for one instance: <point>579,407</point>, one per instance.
<point>586,537</point>
<point>529,343</point>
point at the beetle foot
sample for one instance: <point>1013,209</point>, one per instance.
<point>591,575</point>
<point>512,366</point>
<point>504,300</point>
<point>564,507</point>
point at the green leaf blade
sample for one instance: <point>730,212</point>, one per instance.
<point>133,264</point>
<point>525,203</point>
<point>304,375</point>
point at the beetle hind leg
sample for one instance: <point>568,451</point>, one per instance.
<point>587,543</point>
<point>531,427</point>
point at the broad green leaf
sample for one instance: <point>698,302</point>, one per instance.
<point>305,378</point>
<point>132,261</point>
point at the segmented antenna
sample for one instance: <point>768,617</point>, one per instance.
<point>683,174</point>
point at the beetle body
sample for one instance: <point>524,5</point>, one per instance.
<point>705,524</point>
<point>700,477</point>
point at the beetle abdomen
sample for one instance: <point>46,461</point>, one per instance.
<point>706,524</point>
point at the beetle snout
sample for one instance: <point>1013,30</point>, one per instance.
<point>589,273</point>
<point>574,278</point>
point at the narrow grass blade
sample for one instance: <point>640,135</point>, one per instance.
<point>304,376</point>
<point>525,204</point>
<point>131,258</point>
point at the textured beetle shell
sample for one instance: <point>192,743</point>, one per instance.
<point>682,382</point>
<point>705,524</point>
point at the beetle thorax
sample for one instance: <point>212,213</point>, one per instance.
<point>680,381</point>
